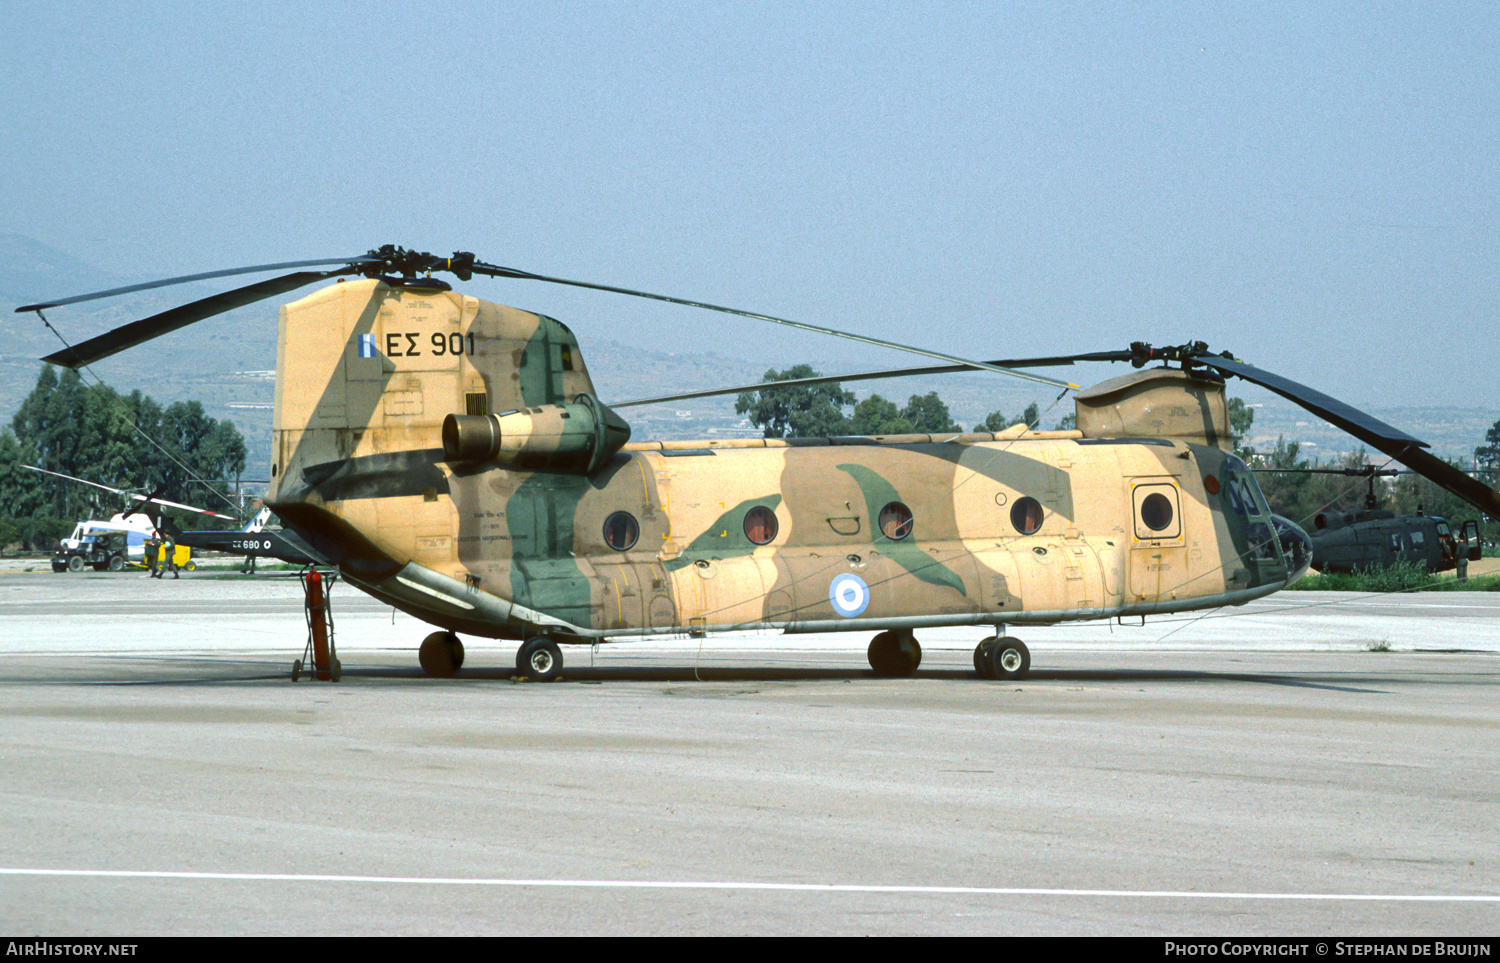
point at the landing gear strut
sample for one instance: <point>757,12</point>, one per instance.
<point>895,653</point>
<point>441,654</point>
<point>539,659</point>
<point>1001,657</point>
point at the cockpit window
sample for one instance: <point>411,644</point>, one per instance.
<point>1263,544</point>
<point>1232,496</point>
<point>1247,496</point>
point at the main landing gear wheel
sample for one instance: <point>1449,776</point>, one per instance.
<point>894,653</point>
<point>1002,658</point>
<point>441,654</point>
<point>982,657</point>
<point>539,659</point>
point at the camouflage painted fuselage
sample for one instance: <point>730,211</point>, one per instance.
<point>801,535</point>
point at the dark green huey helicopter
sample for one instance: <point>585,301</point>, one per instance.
<point>1373,538</point>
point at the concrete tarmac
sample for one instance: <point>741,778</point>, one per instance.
<point>1259,772</point>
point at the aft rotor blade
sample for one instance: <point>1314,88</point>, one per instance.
<point>1370,430</point>
<point>137,332</point>
<point>494,270</point>
<point>187,278</point>
<point>880,375</point>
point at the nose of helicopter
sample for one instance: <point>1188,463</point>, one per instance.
<point>1296,547</point>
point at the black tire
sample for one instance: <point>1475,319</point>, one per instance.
<point>982,657</point>
<point>441,654</point>
<point>75,563</point>
<point>116,563</point>
<point>889,658</point>
<point>1009,659</point>
<point>539,659</point>
<point>59,566</point>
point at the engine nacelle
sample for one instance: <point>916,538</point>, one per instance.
<point>576,438</point>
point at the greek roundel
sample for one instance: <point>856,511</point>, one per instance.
<point>849,594</point>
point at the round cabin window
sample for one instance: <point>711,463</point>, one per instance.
<point>1156,512</point>
<point>1026,515</point>
<point>621,531</point>
<point>895,521</point>
<point>760,524</point>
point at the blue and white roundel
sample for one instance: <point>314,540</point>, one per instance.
<point>849,594</point>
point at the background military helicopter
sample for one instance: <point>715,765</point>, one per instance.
<point>132,527</point>
<point>255,541</point>
<point>1372,537</point>
<point>450,456</point>
<point>141,523</point>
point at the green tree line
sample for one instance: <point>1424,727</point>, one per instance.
<point>94,432</point>
<point>828,410</point>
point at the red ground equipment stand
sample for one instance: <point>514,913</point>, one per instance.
<point>320,655</point>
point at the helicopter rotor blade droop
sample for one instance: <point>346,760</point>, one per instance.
<point>881,375</point>
<point>146,329</point>
<point>187,279</point>
<point>390,260</point>
<point>494,270</point>
<point>1394,442</point>
<point>409,263</point>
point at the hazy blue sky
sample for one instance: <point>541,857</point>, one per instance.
<point>1311,185</point>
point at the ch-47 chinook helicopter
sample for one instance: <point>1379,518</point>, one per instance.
<point>451,457</point>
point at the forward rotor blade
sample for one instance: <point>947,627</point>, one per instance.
<point>1348,472</point>
<point>362,259</point>
<point>503,272</point>
<point>137,332</point>
<point>1367,428</point>
<point>881,375</point>
<point>1370,430</point>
